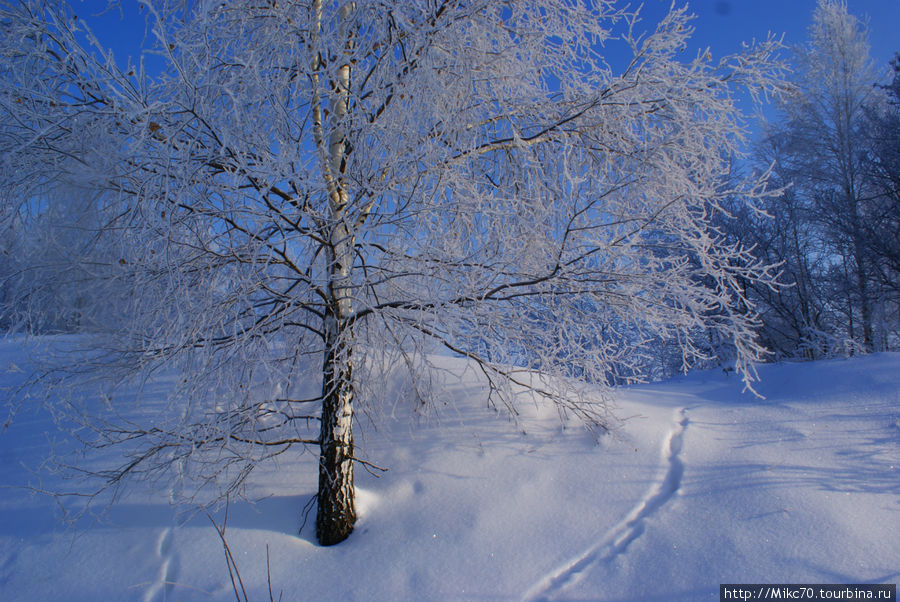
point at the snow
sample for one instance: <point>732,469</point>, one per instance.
<point>701,485</point>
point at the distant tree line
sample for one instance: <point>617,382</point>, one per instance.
<point>834,151</point>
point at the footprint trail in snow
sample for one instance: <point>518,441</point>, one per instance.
<point>617,539</point>
<point>161,589</point>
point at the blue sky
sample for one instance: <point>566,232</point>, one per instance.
<point>724,24</point>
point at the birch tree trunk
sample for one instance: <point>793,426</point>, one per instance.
<point>336,512</point>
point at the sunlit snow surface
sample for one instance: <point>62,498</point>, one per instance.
<point>701,485</point>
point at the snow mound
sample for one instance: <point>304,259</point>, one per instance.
<point>702,485</point>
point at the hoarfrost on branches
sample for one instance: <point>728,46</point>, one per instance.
<point>319,192</point>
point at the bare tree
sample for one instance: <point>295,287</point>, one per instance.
<point>306,195</point>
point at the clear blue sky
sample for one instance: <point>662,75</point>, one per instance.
<point>724,24</point>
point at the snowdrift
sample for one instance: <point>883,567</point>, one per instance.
<point>701,485</point>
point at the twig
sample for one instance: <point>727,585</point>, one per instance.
<point>368,466</point>
<point>229,558</point>
<point>306,510</point>
<point>269,575</point>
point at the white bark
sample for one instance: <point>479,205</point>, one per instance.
<point>336,513</point>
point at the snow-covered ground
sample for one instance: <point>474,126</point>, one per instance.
<point>702,485</point>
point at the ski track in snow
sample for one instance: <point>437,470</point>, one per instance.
<point>617,539</point>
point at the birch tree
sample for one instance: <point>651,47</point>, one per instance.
<point>823,126</point>
<point>306,196</point>
<point>835,223</point>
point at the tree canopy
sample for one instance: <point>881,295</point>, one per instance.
<point>310,195</point>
